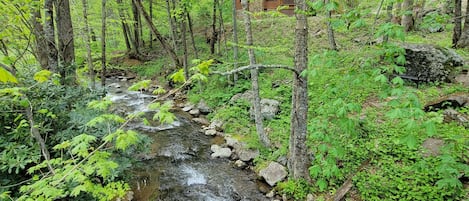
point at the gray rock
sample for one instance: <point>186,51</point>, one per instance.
<point>247,154</point>
<point>430,63</point>
<point>194,112</point>
<point>270,194</point>
<point>240,164</point>
<point>200,120</point>
<point>187,108</point>
<point>282,160</point>
<point>273,173</point>
<point>246,96</point>
<point>230,141</point>
<point>203,107</point>
<point>210,132</point>
<point>220,152</point>
<point>217,125</point>
<point>269,108</point>
<point>115,85</point>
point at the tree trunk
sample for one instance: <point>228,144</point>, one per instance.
<point>254,78</point>
<point>39,51</point>
<point>137,27</point>
<point>88,44</point>
<point>330,30</point>
<point>151,16</point>
<point>49,32</point>
<point>214,35</point>
<point>172,26</point>
<point>407,19</point>
<point>66,44</point>
<point>298,159</point>
<point>397,13</point>
<point>389,19</point>
<point>184,48</point>
<point>221,28</point>
<point>103,43</point>
<point>460,38</point>
<point>125,29</point>
<point>189,20</point>
<point>235,41</point>
<point>157,34</point>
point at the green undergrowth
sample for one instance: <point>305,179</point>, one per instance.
<point>362,125</point>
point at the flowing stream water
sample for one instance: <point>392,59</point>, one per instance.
<point>179,166</point>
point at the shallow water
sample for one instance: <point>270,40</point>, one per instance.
<point>179,166</point>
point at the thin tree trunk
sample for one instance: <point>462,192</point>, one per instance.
<point>221,28</point>
<point>39,51</point>
<point>214,36</point>
<point>157,34</point>
<point>330,30</point>
<point>463,41</point>
<point>138,41</point>
<point>172,26</point>
<point>66,45</point>
<point>254,78</point>
<point>389,19</point>
<point>189,20</point>
<point>184,47</point>
<point>49,32</point>
<point>88,44</point>
<point>125,27</point>
<point>298,158</point>
<point>397,13</point>
<point>457,22</point>
<point>235,41</point>
<point>151,16</point>
<point>407,19</point>
<point>35,133</point>
<point>103,43</point>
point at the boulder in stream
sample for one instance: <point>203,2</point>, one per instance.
<point>273,173</point>
<point>220,152</point>
<point>429,63</point>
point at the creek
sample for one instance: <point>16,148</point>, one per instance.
<point>178,165</point>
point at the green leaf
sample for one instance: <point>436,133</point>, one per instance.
<point>100,105</point>
<point>199,77</point>
<point>322,184</point>
<point>42,76</point>
<point>144,84</point>
<point>126,139</point>
<point>6,76</point>
<point>178,76</point>
<point>159,91</point>
<point>105,118</point>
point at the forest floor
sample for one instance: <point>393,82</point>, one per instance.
<point>338,81</point>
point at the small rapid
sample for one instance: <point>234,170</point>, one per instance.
<point>178,166</point>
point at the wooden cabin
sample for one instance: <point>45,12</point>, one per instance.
<point>266,5</point>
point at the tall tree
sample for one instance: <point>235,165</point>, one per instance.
<point>254,78</point>
<point>131,48</point>
<point>137,26</point>
<point>87,36</point>
<point>235,41</point>
<point>330,29</point>
<point>298,159</point>
<point>157,34</point>
<point>172,25</point>
<point>407,19</point>
<point>457,22</point>
<point>66,47</point>
<point>38,30</point>
<point>103,43</point>
<point>49,32</point>
<point>463,41</point>
<point>189,20</point>
<point>214,34</point>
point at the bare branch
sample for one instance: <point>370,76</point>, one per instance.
<point>249,67</point>
<point>8,68</point>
